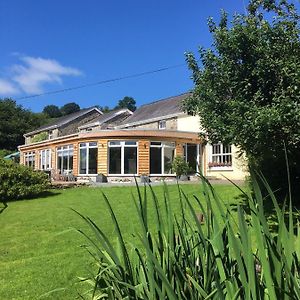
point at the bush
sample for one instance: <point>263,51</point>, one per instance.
<point>17,181</point>
<point>221,256</point>
<point>180,166</point>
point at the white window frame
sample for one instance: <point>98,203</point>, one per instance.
<point>162,145</point>
<point>29,157</point>
<point>50,135</point>
<point>87,146</point>
<point>65,149</point>
<point>122,145</point>
<point>45,159</point>
<point>221,154</point>
<point>162,124</point>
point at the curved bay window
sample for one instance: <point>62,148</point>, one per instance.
<point>122,157</point>
<point>65,159</point>
<point>161,157</point>
<point>88,155</point>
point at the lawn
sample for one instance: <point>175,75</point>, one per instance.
<point>40,249</point>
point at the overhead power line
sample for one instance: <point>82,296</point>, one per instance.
<point>102,82</point>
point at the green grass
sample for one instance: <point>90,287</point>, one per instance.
<point>41,251</point>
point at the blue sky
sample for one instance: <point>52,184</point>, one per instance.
<point>50,45</point>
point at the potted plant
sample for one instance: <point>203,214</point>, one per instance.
<point>181,168</point>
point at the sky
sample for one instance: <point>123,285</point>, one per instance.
<point>57,44</point>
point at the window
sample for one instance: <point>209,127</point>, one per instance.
<point>50,135</point>
<point>45,159</point>
<point>65,159</point>
<point>221,156</point>
<point>162,124</point>
<point>88,157</point>
<point>161,157</point>
<point>122,157</point>
<point>29,159</point>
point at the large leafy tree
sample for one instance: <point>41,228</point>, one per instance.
<point>14,122</point>
<point>52,111</point>
<point>247,86</point>
<point>69,108</point>
<point>127,102</point>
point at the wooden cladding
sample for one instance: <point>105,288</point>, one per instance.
<point>179,149</point>
<point>102,157</point>
<point>143,157</point>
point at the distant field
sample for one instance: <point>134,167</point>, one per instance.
<point>40,250</point>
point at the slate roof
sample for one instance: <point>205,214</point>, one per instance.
<point>63,120</point>
<point>156,110</point>
<point>108,118</point>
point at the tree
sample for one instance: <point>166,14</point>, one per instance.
<point>127,102</point>
<point>69,108</point>
<point>247,89</point>
<point>104,109</point>
<point>14,122</point>
<point>52,111</point>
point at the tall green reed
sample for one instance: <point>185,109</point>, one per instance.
<point>227,256</point>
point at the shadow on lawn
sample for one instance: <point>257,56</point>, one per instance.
<point>269,210</point>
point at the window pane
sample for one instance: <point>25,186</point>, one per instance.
<point>82,161</point>
<point>130,159</point>
<point>114,143</point>
<point>155,143</point>
<point>93,144</point>
<point>130,143</point>
<point>155,160</point>
<point>59,161</point>
<point>93,153</point>
<point>82,145</point>
<point>65,163</point>
<point>168,159</point>
<point>115,160</point>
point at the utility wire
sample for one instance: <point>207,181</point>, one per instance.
<point>101,82</point>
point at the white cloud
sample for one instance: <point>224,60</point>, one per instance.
<point>7,88</point>
<point>32,73</point>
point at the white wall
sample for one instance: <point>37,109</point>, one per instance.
<point>189,123</point>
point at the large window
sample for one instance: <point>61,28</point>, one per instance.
<point>88,156</point>
<point>122,157</point>
<point>161,157</point>
<point>29,159</point>
<point>221,156</point>
<point>45,159</point>
<point>65,159</point>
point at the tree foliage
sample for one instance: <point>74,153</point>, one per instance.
<point>127,102</point>
<point>69,108</point>
<point>52,111</point>
<point>247,88</point>
<point>14,122</point>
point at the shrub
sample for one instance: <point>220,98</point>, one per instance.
<point>180,166</point>
<point>225,257</point>
<point>40,137</point>
<point>17,181</point>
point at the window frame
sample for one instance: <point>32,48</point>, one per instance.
<point>45,160</point>
<point>27,155</point>
<point>221,166</point>
<point>163,145</point>
<point>122,145</point>
<point>164,122</point>
<point>61,149</point>
<point>87,147</point>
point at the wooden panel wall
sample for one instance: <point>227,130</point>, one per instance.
<point>75,159</point>
<point>179,149</point>
<point>102,157</point>
<point>144,155</point>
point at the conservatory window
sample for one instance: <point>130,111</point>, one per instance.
<point>45,159</point>
<point>65,159</point>
<point>88,157</point>
<point>161,157</point>
<point>122,157</point>
<point>29,159</point>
